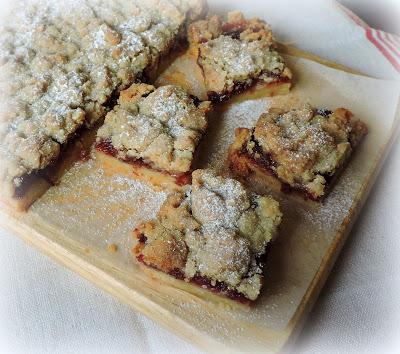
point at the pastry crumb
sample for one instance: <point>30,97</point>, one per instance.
<point>112,248</point>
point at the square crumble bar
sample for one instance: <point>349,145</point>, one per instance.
<point>152,135</point>
<point>215,236</point>
<point>236,55</point>
<point>301,150</point>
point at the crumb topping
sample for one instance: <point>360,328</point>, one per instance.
<point>236,52</point>
<point>160,126</point>
<point>62,61</point>
<point>216,230</point>
<point>306,146</point>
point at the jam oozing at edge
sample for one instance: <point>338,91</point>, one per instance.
<point>204,282</point>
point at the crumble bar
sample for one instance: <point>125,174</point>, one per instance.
<point>61,65</point>
<point>299,150</point>
<point>215,235</point>
<point>236,54</point>
<point>155,132</point>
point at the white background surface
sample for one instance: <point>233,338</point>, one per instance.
<point>383,14</point>
<point>45,308</point>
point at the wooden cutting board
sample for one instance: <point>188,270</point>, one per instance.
<point>75,221</point>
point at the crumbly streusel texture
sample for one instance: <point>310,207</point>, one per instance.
<point>303,147</point>
<point>236,53</point>
<point>216,230</point>
<point>61,62</point>
<point>161,127</point>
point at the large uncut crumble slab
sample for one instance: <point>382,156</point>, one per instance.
<point>300,150</point>
<point>152,134</point>
<point>216,236</point>
<point>61,64</point>
<point>238,54</point>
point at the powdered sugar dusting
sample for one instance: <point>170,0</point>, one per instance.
<point>120,205</point>
<point>242,59</point>
<point>222,128</point>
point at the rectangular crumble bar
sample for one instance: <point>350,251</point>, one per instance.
<point>300,150</point>
<point>62,64</point>
<point>215,235</point>
<point>152,135</point>
<point>237,54</point>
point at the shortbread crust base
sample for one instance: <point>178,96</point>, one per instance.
<point>156,179</point>
<point>260,90</point>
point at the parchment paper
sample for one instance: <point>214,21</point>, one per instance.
<point>94,209</point>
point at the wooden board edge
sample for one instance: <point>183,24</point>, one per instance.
<point>109,278</point>
<point>102,279</point>
<point>299,318</point>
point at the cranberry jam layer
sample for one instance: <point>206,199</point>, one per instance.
<point>301,150</point>
<point>279,86</point>
<point>200,281</point>
<point>214,235</point>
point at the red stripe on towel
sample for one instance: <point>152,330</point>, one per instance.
<point>389,38</point>
<point>352,15</point>
<point>372,37</point>
<point>392,49</point>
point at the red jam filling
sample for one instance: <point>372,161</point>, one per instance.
<point>240,87</point>
<point>236,28</point>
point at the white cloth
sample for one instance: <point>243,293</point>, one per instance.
<point>45,308</point>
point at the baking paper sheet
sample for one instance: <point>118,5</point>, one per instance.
<point>93,209</point>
